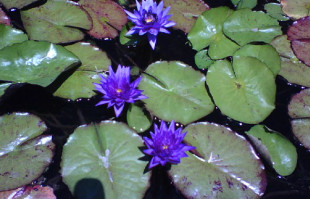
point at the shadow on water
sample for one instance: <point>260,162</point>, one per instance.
<point>89,188</point>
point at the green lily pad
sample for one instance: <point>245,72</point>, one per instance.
<point>245,26</point>
<point>24,154</point>
<point>3,87</point>
<point>4,19</point>
<point>202,60</point>
<point>10,35</point>
<point>185,12</point>
<point>275,11</point>
<point>299,111</point>
<point>244,3</point>
<point>296,8</point>
<point>275,148</point>
<point>227,166</point>
<point>283,46</point>
<point>264,53</point>
<point>138,118</point>
<point>207,31</point>
<point>108,17</point>
<point>244,91</point>
<point>109,154</point>
<point>176,92</point>
<point>38,62</point>
<point>8,4</point>
<point>56,21</point>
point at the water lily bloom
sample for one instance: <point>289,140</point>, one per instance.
<point>166,145</point>
<point>150,19</point>
<point>117,89</point>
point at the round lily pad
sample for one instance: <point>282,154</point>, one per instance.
<point>264,53</point>
<point>244,90</point>
<point>276,149</point>
<point>202,60</point>
<point>299,111</point>
<point>224,166</point>
<point>185,12</point>
<point>16,3</point>
<point>296,8</point>
<point>24,154</point>
<point>275,11</point>
<point>10,35</point>
<point>245,26</point>
<point>38,62</point>
<point>56,21</point>
<point>138,118</point>
<point>105,154</point>
<point>176,92</point>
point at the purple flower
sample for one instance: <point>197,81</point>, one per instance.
<point>166,145</point>
<point>117,89</point>
<point>150,18</point>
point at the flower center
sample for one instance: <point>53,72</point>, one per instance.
<point>119,90</point>
<point>149,18</point>
<point>165,147</point>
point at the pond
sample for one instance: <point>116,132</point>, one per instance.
<point>226,74</point>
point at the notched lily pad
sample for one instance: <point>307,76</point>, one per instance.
<point>296,8</point>
<point>275,148</point>
<point>275,11</point>
<point>108,17</point>
<point>56,21</point>
<point>227,166</point>
<point>202,60</point>
<point>105,154</point>
<point>24,154</point>
<point>4,19</point>
<point>245,26</point>
<point>16,3</point>
<point>139,118</point>
<point>244,91</point>
<point>10,35</point>
<point>185,12</point>
<point>299,111</point>
<point>176,92</point>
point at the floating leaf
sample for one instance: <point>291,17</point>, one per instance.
<point>245,26</point>
<point>24,154</point>
<point>128,39</point>
<point>202,60</point>
<point>108,17</point>
<point>106,154</point>
<point>264,53</point>
<point>276,149</point>
<point>28,192</point>
<point>4,19</point>
<point>10,35</point>
<point>299,34</point>
<point>16,3</point>
<point>38,62</point>
<point>299,111</point>
<point>56,21</point>
<point>138,118</point>
<point>244,91</point>
<point>208,31</point>
<point>227,166</point>
<point>296,8</point>
<point>244,3</point>
<point>275,11</point>
<point>185,12</point>
<point>176,92</point>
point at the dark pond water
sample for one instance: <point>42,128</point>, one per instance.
<point>62,116</point>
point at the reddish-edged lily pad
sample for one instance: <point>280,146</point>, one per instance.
<point>296,8</point>
<point>29,192</point>
<point>186,12</point>
<point>4,19</point>
<point>299,34</point>
<point>108,17</point>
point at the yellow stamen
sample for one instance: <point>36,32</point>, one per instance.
<point>149,19</point>
<point>165,147</point>
<point>119,90</point>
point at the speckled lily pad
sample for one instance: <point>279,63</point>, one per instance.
<point>296,8</point>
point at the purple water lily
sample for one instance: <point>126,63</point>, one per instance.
<point>166,145</point>
<point>150,18</point>
<point>117,89</point>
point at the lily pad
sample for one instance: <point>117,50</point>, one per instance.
<point>24,154</point>
<point>38,62</point>
<point>4,19</point>
<point>264,53</point>
<point>10,35</point>
<point>227,165</point>
<point>16,3</point>
<point>275,148</point>
<point>296,8</point>
<point>244,3</point>
<point>56,21</point>
<point>202,60</point>
<point>275,11</point>
<point>299,111</point>
<point>207,31</point>
<point>244,90</point>
<point>109,154</point>
<point>176,92</point>
<point>28,192</point>
<point>108,17</point>
<point>138,118</point>
<point>186,12</point>
<point>245,26</point>
<point>299,34</point>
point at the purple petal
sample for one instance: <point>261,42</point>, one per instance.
<point>131,14</point>
<point>154,162</point>
<point>152,40</point>
<point>169,24</point>
<point>160,7</point>
<point>136,83</point>
<point>164,30</point>
<point>118,110</point>
<point>138,5</point>
<point>149,143</point>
